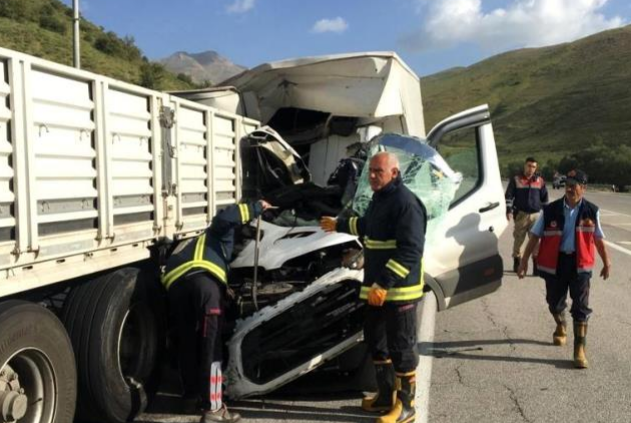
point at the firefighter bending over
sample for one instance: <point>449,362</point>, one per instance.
<point>196,280</point>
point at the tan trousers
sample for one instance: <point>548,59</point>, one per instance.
<point>523,224</point>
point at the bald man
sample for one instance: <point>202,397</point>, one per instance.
<point>393,234</point>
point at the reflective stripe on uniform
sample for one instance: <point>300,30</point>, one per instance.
<point>373,244</point>
<point>198,262</point>
<point>405,293</point>
<point>245,213</point>
<point>352,226</point>
<point>552,233</point>
<point>585,229</point>
<point>397,268</point>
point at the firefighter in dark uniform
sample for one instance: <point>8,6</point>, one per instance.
<point>525,196</point>
<point>196,278</point>
<point>393,233</point>
<point>570,231</point>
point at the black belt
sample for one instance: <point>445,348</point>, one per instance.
<point>564,253</point>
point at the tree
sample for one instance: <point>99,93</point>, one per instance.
<point>151,75</point>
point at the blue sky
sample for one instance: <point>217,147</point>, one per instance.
<point>430,35</point>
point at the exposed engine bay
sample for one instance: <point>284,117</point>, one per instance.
<point>296,287</point>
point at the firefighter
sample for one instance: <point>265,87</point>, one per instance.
<point>525,196</point>
<point>569,229</point>
<point>393,232</point>
<point>196,283</point>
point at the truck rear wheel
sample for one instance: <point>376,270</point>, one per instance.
<point>116,327</point>
<point>38,380</point>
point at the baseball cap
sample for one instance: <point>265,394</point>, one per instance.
<point>576,176</point>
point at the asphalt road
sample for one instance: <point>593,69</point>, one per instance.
<point>491,360</point>
<point>494,361</point>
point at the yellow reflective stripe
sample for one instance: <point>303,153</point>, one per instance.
<point>373,244</point>
<point>352,224</point>
<point>397,294</point>
<point>212,268</point>
<point>178,272</point>
<point>397,268</point>
<point>175,274</point>
<point>199,247</point>
<point>245,213</point>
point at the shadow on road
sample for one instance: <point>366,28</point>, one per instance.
<point>257,409</point>
<point>464,349</point>
<point>281,407</point>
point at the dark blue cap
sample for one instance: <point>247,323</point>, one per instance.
<point>576,176</point>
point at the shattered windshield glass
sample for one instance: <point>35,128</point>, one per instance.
<point>423,171</point>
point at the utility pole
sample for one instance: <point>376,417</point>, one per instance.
<point>75,33</point>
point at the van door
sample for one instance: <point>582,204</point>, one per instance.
<point>468,265</point>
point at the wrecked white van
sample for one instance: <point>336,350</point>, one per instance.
<point>328,115</point>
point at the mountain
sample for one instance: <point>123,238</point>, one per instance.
<point>547,102</point>
<point>201,67</point>
<point>43,28</point>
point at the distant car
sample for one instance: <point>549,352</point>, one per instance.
<point>558,182</point>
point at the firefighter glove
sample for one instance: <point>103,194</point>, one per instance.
<point>377,295</point>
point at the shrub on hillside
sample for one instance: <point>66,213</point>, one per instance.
<point>52,23</point>
<point>185,78</point>
<point>605,164</point>
<point>110,44</point>
<point>17,10</point>
<point>152,75</point>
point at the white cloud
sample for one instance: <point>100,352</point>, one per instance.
<point>240,6</point>
<point>330,25</point>
<point>522,23</point>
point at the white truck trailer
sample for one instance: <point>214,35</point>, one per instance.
<point>95,175</point>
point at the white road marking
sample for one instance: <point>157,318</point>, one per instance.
<point>624,242</point>
<point>613,213</point>
<point>618,248</point>
<point>424,369</point>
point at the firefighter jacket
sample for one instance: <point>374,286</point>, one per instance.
<point>393,234</point>
<point>553,221</point>
<point>211,251</point>
<point>527,195</point>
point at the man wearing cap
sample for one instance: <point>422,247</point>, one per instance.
<point>525,196</point>
<point>570,232</point>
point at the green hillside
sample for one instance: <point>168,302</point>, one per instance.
<point>548,102</point>
<point>43,28</point>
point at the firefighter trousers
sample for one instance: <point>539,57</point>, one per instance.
<point>390,332</point>
<point>196,305</point>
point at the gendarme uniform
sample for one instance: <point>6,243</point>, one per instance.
<point>196,277</point>
<point>566,259</point>
<point>525,198</point>
<point>393,234</point>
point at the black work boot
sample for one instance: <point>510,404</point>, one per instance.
<point>580,335</point>
<point>516,261</point>
<point>221,415</point>
<point>386,394</point>
<point>559,337</point>
<point>404,410</point>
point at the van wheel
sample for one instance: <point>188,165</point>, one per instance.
<point>38,380</point>
<point>116,326</point>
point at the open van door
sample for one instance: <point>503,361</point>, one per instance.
<point>468,265</point>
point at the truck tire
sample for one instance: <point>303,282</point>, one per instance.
<point>38,380</point>
<point>116,326</point>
